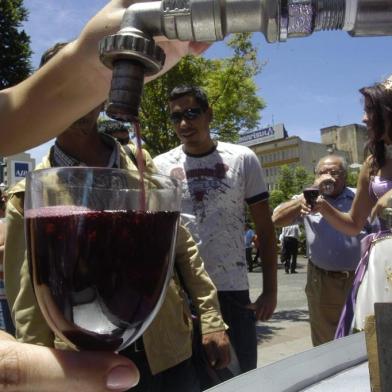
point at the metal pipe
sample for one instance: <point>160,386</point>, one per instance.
<point>212,20</point>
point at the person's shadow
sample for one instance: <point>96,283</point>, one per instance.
<point>266,331</point>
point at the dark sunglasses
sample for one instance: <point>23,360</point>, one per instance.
<point>189,114</point>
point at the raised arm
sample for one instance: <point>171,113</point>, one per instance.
<point>286,213</point>
<point>68,86</point>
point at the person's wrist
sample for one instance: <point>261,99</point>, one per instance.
<point>269,292</point>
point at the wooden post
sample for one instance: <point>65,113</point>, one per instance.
<point>371,346</point>
<point>383,314</point>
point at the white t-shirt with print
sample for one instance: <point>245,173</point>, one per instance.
<point>214,189</point>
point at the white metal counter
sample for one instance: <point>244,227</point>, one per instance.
<point>326,368</point>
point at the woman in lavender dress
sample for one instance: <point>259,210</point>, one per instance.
<point>373,281</point>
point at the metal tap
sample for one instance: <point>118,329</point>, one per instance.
<point>132,52</point>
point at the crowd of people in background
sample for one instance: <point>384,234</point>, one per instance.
<point>214,253</point>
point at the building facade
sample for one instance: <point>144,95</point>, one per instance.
<point>275,148</point>
<point>351,138</point>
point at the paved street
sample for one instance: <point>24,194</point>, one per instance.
<point>287,332</point>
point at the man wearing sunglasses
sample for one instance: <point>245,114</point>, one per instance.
<point>217,179</point>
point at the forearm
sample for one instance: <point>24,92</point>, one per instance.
<point>70,85</point>
<point>268,255</point>
<point>341,221</point>
<point>287,213</point>
<point>46,103</point>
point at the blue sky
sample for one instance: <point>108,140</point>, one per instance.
<point>307,83</point>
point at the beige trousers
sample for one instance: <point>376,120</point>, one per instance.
<point>326,292</point>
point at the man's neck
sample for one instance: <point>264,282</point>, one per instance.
<point>200,149</point>
<point>89,149</point>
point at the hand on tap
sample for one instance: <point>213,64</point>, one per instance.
<point>175,50</point>
<point>69,86</point>
<point>108,21</point>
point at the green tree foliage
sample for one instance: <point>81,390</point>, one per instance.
<point>230,87</point>
<point>352,179</point>
<point>302,178</point>
<point>14,43</point>
<point>286,181</point>
<point>276,198</point>
<point>291,181</point>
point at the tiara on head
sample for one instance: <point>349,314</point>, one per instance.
<point>387,83</point>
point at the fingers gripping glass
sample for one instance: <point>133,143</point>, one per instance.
<point>189,114</point>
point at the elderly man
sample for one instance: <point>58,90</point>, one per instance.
<point>333,256</point>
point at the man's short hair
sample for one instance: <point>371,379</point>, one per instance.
<point>195,91</point>
<point>342,159</point>
<point>49,53</point>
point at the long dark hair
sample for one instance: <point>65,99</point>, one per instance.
<point>378,106</point>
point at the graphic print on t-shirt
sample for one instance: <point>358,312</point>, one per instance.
<point>201,181</point>
<point>215,188</point>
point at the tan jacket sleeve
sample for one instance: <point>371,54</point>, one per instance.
<point>29,322</point>
<point>168,339</point>
<point>148,161</point>
<point>198,283</point>
<point>150,165</point>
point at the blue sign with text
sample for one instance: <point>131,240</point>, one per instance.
<point>21,169</point>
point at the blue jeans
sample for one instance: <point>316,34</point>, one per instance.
<point>5,318</point>
<point>242,326</point>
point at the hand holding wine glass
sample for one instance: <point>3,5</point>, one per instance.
<point>100,255</point>
<point>105,372</point>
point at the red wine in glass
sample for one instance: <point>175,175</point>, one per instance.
<point>99,265</point>
<point>311,194</point>
<point>99,276</point>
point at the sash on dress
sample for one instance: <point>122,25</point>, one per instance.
<point>346,320</point>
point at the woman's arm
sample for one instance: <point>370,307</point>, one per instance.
<point>352,222</point>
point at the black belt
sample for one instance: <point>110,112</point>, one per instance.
<point>333,274</point>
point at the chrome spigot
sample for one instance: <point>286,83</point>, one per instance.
<point>132,55</point>
<point>132,52</point>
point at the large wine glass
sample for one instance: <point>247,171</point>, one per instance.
<point>100,246</point>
